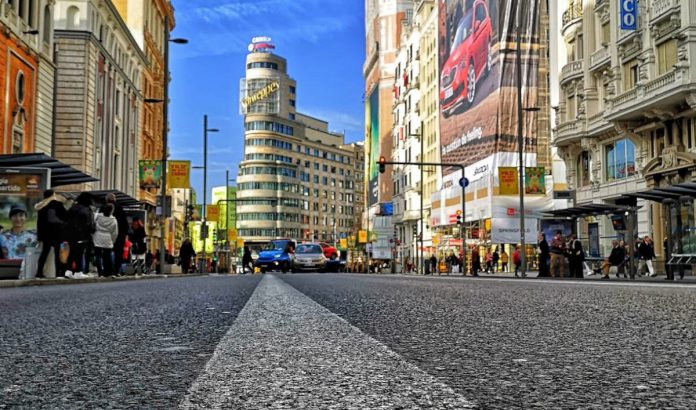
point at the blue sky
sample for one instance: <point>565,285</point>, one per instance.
<point>323,41</point>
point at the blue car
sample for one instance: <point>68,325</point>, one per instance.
<point>277,255</point>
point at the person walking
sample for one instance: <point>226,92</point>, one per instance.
<point>122,222</point>
<point>496,258</point>
<point>104,238</point>
<point>186,254</point>
<point>557,249</point>
<point>544,255</point>
<point>433,264</point>
<point>81,227</point>
<point>50,230</point>
<point>647,254</point>
<point>475,262</point>
<point>137,237</point>
<point>517,259</point>
<point>489,261</point>
<point>576,257</point>
<point>247,260</point>
<point>616,259</point>
<point>504,259</point>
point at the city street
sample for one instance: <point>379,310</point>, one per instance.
<point>348,341</point>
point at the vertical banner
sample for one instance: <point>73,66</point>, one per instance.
<point>362,236</point>
<point>197,212</point>
<point>629,14</point>
<point>232,235</point>
<point>535,181</point>
<point>150,173</point>
<point>372,133</point>
<point>20,190</point>
<point>212,213</point>
<point>509,181</point>
<point>178,174</point>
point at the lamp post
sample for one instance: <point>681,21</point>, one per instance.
<point>206,130</point>
<point>227,211</point>
<point>165,131</point>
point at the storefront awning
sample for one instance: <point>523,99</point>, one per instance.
<point>61,174</point>
<point>672,193</point>
<point>588,210</point>
<point>123,199</point>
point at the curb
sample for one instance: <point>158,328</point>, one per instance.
<point>19,283</point>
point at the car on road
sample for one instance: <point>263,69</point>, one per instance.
<point>470,57</point>
<point>330,252</point>
<point>277,255</point>
<point>309,256</point>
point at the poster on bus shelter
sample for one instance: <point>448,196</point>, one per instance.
<point>20,190</point>
<point>478,77</point>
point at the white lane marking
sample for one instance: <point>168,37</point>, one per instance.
<point>287,351</point>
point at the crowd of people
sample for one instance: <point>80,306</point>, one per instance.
<point>81,236</point>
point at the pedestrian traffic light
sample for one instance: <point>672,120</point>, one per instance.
<point>189,213</point>
<point>382,165</point>
<point>459,217</point>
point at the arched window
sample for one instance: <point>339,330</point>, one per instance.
<point>47,25</point>
<point>73,17</point>
<point>583,169</point>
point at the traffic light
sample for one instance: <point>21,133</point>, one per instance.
<point>189,213</point>
<point>415,230</point>
<point>459,217</point>
<point>382,165</point>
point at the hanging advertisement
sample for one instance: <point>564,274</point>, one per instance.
<point>150,173</point>
<point>535,181</point>
<point>212,213</point>
<point>362,236</point>
<point>372,134</point>
<point>509,181</point>
<point>178,173</point>
<point>20,190</point>
<point>507,230</point>
<point>478,87</point>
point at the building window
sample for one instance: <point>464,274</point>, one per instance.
<point>606,33</point>
<point>620,160</point>
<point>292,103</point>
<point>292,90</point>
<point>263,64</point>
<point>291,116</point>
<point>666,56</point>
<point>630,74</point>
<point>583,167</point>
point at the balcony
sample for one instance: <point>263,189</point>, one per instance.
<point>662,9</point>
<point>571,71</point>
<point>411,215</point>
<point>572,16</point>
<point>600,58</point>
<point>569,132</point>
<point>662,91</point>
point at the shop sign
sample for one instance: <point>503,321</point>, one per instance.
<point>262,94</point>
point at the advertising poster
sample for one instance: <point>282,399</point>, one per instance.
<point>362,237</point>
<point>212,213</point>
<point>477,90</point>
<point>150,173</point>
<point>197,212</point>
<point>535,181</point>
<point>372,131</point>
<point>20,191</point>
<point>178,174</point>
<point>232,235</point>
<point>509,181</point>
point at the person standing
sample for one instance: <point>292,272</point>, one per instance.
<point>104,238</point>
<point>475,262</point>
<point>247,260</point>
<point>138,246</point>
<point>504,259</point>
<point>496,258</point>
<point>186,254</point>
<point>647,254</point>
<point>544,254</point>
<point>576,257</point>
<point>50,229</point>
<point>122,222</point>
<point>557,250</point>
<point>489,261</point>
<point>517,259</point>
<point>81,227</point>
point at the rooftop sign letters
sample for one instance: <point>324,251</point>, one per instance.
<point>261,94</point>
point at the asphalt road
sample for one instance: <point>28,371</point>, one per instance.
<point>328,341</point>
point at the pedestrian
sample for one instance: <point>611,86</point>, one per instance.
<point>137,237</point>
<point>475,262</point>
<point>517,259</point>
<point>50,230</point>
<point>15,241</point>
<point>81,227</point>
<point>104,238</point>
<point>647,254</point>
<point>576,257</point>
<point>489,261</point>
<point>557,250</point>
<point>120,242</point>
<point>248,261</point>
<point>433,264</point>
<point>504,259</point>
<point>544,254</point>
<point>186,254</point>
<point>616,258</point>
<point>496,258</point>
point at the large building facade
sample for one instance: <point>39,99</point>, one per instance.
<point>626,119</point>
<point>297,179</point>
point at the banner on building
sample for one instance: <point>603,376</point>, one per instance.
<point>629,13</point>
<point>343,244</point>
<point>508,180</point>
<point>362,236</point>
<point>372,137</point>
<point>478,82</point>
<point>150,173</point>
<point>178,174</point>
<point>20,190</point>
<point>212,213</point>
<point>232,235</point>
<point>535,181</point>
<point>507,230</point>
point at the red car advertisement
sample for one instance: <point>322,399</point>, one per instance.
<point>477,90</point>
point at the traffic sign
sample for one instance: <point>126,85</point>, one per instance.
<point>463,182</point>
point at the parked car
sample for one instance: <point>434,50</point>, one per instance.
<point>330,252</point>
<point>277,255</point>
<point>309,256</point>
<point>470,57</point>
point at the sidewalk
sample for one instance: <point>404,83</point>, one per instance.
<point>17,283</point>
<point>660,278</point>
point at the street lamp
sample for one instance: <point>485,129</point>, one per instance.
<point>206,130</point>
<point>227,211</point>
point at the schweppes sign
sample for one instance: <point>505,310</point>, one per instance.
<point>261,94</point>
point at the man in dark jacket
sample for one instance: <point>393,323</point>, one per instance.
<point>81,223</point>
<point>576,257</point>
<point>50,229</point>
<point>616,258</point>
<point>544,255</point>
<point>122,223</point>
